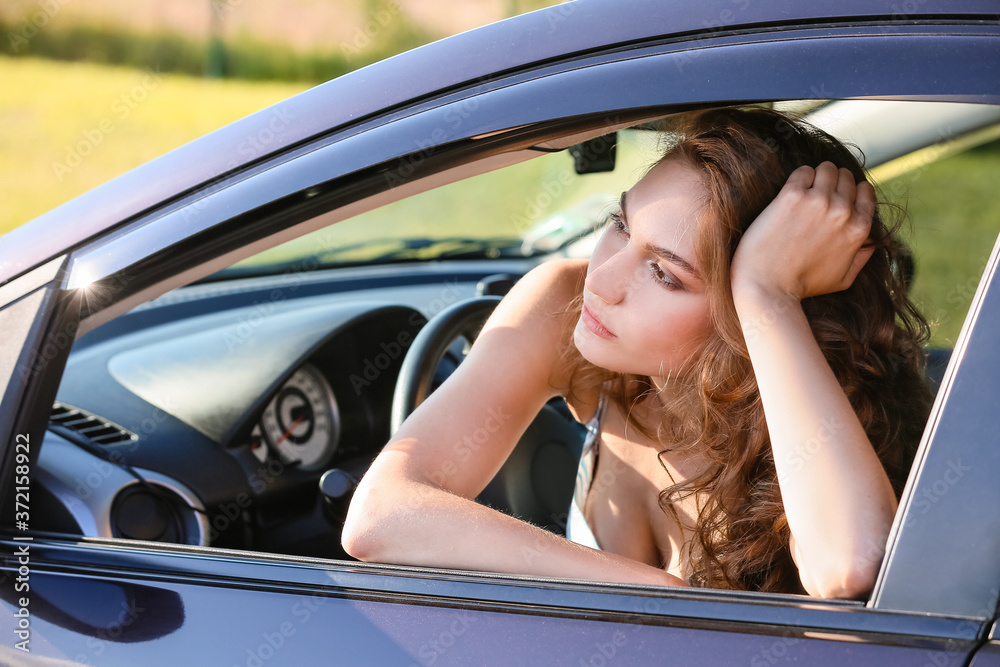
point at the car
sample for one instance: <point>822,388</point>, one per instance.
<point>202,356</point>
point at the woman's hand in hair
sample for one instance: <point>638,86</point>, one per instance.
<point>811,239</point>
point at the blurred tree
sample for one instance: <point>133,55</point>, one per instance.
<point>215,59</point>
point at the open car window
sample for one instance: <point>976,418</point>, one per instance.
<point>212,414</point>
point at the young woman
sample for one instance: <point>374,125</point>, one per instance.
<point>743,349</point>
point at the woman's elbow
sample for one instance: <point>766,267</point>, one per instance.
<point>361,536</point>
<point>852,582</point>
<point>356,542</point>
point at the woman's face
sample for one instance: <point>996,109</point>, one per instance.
<point>645,306</point>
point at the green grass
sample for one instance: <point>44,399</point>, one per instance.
<point>955,214</point>
<point>51,111</point>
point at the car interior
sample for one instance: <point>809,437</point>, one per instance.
<point>239,411</point>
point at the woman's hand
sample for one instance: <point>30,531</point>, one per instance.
<point>811,239</point>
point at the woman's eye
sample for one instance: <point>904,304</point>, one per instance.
<point>618,224</point>
<point>662,277</point>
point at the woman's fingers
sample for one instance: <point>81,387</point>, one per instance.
<point>860,199</point>
<point>855,201</point>
<point>846,186</point>
<point>864,202</point>
<point>860,259</point>
<point>827,178</point>
<point>803,177</point>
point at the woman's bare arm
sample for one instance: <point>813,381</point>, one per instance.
<point>837,497</point>
<point>415,507</point>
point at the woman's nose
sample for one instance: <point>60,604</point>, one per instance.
<point>610,280</point>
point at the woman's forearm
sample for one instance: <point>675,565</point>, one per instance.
<point>406,522</point>
<point>837,497</point>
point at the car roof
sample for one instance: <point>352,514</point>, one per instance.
<point>533,39</point>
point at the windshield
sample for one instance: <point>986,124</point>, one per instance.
<point>536,207</point>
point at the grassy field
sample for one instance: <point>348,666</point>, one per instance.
<point>258,40</point>
<point>955,215</point>
<point>68,127</point>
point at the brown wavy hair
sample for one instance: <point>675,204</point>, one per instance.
<point>871,334</point>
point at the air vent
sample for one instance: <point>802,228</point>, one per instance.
<point>90,426</point>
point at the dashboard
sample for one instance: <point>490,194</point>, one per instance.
<point>211,415</point>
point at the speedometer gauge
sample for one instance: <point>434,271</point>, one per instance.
<point>302,423</point>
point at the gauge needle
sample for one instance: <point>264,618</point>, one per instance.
<point>288,431</point>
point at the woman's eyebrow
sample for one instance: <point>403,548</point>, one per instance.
<point>659,251</point>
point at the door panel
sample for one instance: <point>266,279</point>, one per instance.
<point>100,614</point>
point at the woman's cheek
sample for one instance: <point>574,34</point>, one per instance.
<point>677,332</point>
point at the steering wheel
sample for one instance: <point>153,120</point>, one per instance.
<point>416,375</point>
<point>537,480</point>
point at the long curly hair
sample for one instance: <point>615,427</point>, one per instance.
<point>871,334</point>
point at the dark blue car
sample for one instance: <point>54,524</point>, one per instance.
<point>201,357</point>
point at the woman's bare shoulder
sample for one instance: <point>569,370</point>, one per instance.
<point>535,320</point>
<point>544,296</point>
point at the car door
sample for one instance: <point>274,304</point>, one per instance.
<point>95,601</point>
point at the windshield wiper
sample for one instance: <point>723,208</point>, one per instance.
<point>409,249</point>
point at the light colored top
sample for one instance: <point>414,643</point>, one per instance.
<point>577,528</point>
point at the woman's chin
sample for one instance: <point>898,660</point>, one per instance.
<point>595,349</point>
<point>585,344</point>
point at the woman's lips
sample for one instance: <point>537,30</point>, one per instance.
<point>595,324</point>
